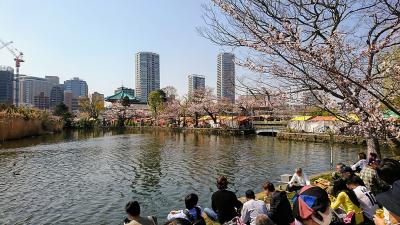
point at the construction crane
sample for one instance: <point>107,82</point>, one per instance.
<point>18,58</point>
<point>5,45</point>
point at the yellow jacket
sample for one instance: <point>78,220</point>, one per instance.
<point>347,205</point>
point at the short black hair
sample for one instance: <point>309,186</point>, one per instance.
<point>269,186</point>
<point>389,170</point>
<point>250,194</point>
<point>362,155</point>
<point>191,201</point>
<point>133,208</point>
<point>373,155</point>
<point>355,180</point>
<point>340,164</point>
<point>222,183</point>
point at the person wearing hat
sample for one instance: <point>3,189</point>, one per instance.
<point>225,204</point>
<point>370,177</point>
<point>312,207</point>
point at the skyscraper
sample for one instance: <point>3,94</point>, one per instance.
<point>6,85</point>
<point>147,75</point>
<point>78,87</point>
<point>31,87</point>
<point>55,80</point>
<point>226,76</point>
<point>56,95</point>
<point>196,82</point>
<point>41,101</point>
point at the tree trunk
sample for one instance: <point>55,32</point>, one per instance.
<point>196,119</point>
<point>373,146</point>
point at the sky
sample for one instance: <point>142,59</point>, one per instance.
<point>96,40</point>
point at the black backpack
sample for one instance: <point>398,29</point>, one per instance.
<point>199,220</point>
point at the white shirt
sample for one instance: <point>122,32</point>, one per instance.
<point>299,181</point>
<point>361,163</point>
<point>367,201</point>
<point>181,214</point>
<point>251,209</point>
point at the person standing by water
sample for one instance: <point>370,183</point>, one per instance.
<point>134,218</point>
<point>225,204</point>
<point>280,210</point>
<point>370,177</point>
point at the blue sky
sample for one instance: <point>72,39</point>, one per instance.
<point>96,39</point>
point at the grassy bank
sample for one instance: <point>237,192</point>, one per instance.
<point>16,123</point>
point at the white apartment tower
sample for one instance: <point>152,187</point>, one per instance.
<point>147,74</point>
<point>226,76</point>
<point>196,82</point>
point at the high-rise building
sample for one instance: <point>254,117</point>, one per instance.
<point>71,101</point>
<point>98,99</point>
<point>55,80</point>
<point>6,85</point>
<point>30,86</point>
<point>130,91</point>
<point>78,87</point>
<point>226,76</point>
<point>41,101</point>
<point>196,82</point>
<point>56,95</point>
<point>147,74</point>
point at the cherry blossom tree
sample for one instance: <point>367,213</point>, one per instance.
<point>328,48</point>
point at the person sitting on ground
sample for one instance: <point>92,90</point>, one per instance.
<point>280,210</point>
<point>373,156</point>
<point>134,218</point>
<point>298,180</point>
<point>225,204</point>
<point>311,207</point>
<point>389,171</point>
<point>178,221</point>
<point>263,220</point>
<point>337,174</point>
<point>252,208</point>
<point>371,179</point>
<point>366,199</point>
<point>348,201</point>
<point>362,161</point>
<point>192,211</point>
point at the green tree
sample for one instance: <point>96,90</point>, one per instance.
<point>62,110</point>
<point>156,102</point>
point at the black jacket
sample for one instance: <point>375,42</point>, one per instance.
<point>224,203</point>
<point>280,210</point>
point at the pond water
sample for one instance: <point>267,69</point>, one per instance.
<point>87,177</point>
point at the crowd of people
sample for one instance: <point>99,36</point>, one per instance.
<point>367,192</point>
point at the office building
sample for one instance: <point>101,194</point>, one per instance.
<point>147,74</point>
<point>53,79</point>
<point>196,82</point>
<point>56,95</point>
<point>6,85</point>
<point>30,86</point>
<point>78,87</point>
<point>41,101</point>
<point>226,76</point>
<point>129,91</point>
<point>71,101</point>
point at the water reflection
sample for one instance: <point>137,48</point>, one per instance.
<point>87,177</point>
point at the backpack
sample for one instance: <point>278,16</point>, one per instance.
<point>199,220</point>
